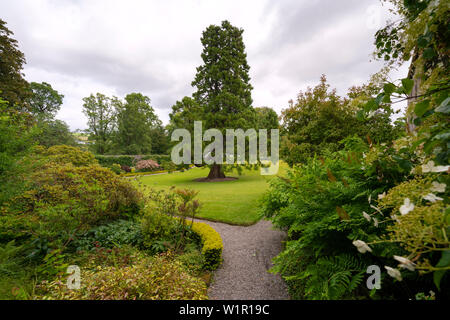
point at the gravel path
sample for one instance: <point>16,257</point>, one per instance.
<point>247,256</point>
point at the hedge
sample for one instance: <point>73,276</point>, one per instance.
<point>128,160</point>
<point>132,174</point>
<point>212,244</point>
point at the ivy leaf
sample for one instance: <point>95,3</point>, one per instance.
<point>407,85</point>
<point>421,107</point>
<point>444,107</point>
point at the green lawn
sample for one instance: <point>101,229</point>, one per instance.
<point>233,202</point>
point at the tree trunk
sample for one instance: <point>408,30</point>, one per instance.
<point>216,172</point>
<point>410,115</point>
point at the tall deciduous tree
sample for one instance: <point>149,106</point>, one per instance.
<point>13,87</point>
<point>223,91</point>
<point>319,119</point>
<point>100,111</point>
<point>44,101</point>
<point>266,118</point>
<point>136,119</point>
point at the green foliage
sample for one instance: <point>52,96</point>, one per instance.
<point>135,118</point>
<point>321,204</point>
<point>222,99</point>
<point>54,132</point>
<point>16,136</point>
<point>62,200</point>
<point>332,278</point>
<point>116,168</point>
<point>63,154</point>
<point>117,233</point>
<point>44,101</point>
<point>320,119</point>
<point>212,244</point>
<point>10,261</point>
<point>160,278</point>
<point>13,86</point>
<point>15,279</point>
<point>100,111</point>
<point>222,81</point>
<point>266,118</point>
<point>193,259</point>
<point>164,225</point>
<point>159,231</point>
<point>131,161</point>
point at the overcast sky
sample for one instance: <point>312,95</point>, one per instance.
<point>121,46</point>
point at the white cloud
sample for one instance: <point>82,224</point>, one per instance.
<point>153,47</point>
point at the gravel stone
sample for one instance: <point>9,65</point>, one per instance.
<point>247,256</point>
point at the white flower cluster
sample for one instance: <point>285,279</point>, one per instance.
<point>430,167</point>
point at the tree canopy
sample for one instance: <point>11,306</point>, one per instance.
<point>136,119</point>
<point>13,86</point>
<point>44,100</point>
<point>222,99</point>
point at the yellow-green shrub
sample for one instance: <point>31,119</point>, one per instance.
<point>62,200</point>
<point>67,154</point>
<point>160,278</point>
<point>212,244</point>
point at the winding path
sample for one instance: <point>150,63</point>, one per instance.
<point>247,256</point>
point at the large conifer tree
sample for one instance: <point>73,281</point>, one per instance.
<point>223,83</point>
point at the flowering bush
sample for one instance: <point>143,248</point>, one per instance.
<point>366,207</point>
<point>147,165</point>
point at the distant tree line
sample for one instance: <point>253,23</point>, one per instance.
<point>130,126</point>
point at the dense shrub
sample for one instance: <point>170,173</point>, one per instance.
<point>117,233</point>
<point>126,162</point>
<point>159,231</point>
<point>351,200</point>
<point>160,278</point>
<point>212,244</point>
<point>62,201</point>
<point>147,165</point>
<point>116,168</point>
<point>62,154</point>
<point>125,168</point>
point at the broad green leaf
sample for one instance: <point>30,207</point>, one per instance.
<point>443,263</point>
<point>370,105</point>
<point>445,259</point>
<point>379,98</point>
<point>407,85</point>
<point>421,107</point>
<point>389,88</point>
